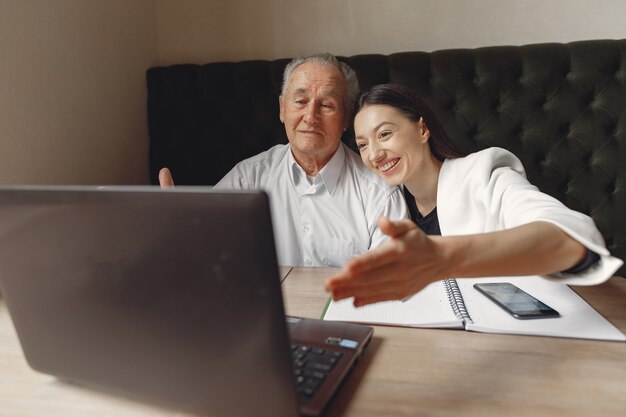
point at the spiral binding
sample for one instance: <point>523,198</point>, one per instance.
<point>456,300</point>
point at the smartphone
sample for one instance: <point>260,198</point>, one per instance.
<point>516,302</point>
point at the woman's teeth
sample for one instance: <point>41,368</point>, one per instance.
<point>388,165</point>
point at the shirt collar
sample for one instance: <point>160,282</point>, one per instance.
<point>329,175</point>
<point>295,171</point>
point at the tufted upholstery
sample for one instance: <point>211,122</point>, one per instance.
<point>561,108</point>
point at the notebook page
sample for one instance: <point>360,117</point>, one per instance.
<point>428,308</point>
<point>578,319</point>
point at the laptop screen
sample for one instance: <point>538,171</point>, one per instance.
<point>171,295</point>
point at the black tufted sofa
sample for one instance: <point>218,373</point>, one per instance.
<point>561,108</point>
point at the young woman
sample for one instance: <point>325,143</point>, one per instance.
<point>471,216</point>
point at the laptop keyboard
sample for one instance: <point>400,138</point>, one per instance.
<point>311,366</point>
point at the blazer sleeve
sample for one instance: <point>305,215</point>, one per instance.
<point>510,200</point>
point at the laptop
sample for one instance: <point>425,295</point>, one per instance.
<point>170,296</point>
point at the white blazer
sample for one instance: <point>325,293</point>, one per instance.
<point>488,191</point>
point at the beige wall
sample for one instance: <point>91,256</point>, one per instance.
<point>201,31</point>
<point>72,72</point>
<point>72,90</point>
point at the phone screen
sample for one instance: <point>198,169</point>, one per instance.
<point>516,302</point>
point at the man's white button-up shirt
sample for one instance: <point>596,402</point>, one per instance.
<point>324,223</point>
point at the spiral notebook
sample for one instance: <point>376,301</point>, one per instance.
<point>455,304</point>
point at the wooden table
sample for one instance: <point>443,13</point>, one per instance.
<point>424,372</point>
<point>404,372</point>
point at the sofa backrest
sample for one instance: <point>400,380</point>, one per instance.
<point>561,108</point>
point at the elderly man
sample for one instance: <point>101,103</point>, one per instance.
<point>325,203</point>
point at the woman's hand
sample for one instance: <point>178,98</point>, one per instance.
<point>402,266</point>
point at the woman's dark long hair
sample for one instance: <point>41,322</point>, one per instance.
<point>413,107</point>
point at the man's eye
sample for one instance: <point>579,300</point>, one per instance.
<point>328,106</point>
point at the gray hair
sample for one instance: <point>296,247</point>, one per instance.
<point>329,61</point>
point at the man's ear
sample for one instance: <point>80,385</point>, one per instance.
<point>281,105</point>
<point>348,118</point>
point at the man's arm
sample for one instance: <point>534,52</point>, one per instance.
<point>235,179</point>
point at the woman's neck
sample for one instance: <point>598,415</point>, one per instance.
<point>423,185</point>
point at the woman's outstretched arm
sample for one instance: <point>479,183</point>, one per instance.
<point>411,260</point>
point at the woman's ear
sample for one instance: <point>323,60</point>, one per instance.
<point>423,128</point>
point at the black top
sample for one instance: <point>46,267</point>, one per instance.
<point>429,224</point>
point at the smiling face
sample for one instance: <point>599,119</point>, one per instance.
<point>392,145</point>
<point>313,112</point>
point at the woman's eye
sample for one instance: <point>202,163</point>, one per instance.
<point>361,145</point>
<point>384,134</point>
